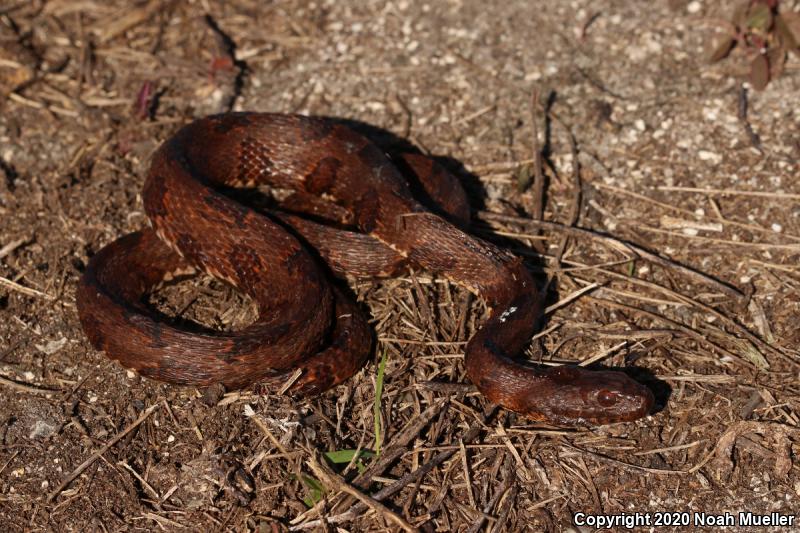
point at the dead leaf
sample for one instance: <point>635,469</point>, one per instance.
<point>778,433</point>
<point>788,27</point>
<point>759,72</point>
<point>776,57</point>
<point>51,347</point>
<point>722,49</point>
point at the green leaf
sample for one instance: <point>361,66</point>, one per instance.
<point>345,456</point>
<point>524,176</point>
<point>315,493</point>
<point>760,18</point>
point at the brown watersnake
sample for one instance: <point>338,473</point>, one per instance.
<point>304,321</point>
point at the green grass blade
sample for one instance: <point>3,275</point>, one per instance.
<point>316,491</point>
<point>345,456</point>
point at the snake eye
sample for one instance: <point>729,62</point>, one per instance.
<point>606,398</point>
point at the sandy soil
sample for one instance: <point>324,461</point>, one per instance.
<point>668,246</point>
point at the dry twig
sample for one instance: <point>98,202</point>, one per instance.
<point>84,465</point>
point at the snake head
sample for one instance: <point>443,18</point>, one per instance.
<point>586,397</point>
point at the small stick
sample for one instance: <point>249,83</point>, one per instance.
<point>340,485</point>
<point>96,455</point>
<point>671,448</point>
<point>508,482</point>
<point>538,171</point>
<point>10,247</point>
<point>265,430</point>
<point>731,192</point>
<point>397,447</point>
<point>132,18</point>
<point>398,485</point>
<point>708,309</point>
<point>748,128</point>
<point>13,285</point>
<point>467,478</point>
<point>289,382</point>
<point>619,244</point>
<point>506,508</point>
<point>575,207</point>
<point>696,335</point>
<point>757,245</point>
<point>603,354</point>
<point>3,468</point>
<point>25,388</point>
<point>675,209</point>
<point>624,464</point>
<point>570,297</point>
<point>147,487</point>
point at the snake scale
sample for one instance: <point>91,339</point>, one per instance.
<point>304,321</point>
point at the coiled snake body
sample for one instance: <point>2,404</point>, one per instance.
<point>304,322</point>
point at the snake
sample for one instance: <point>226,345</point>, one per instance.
<point>361,220</point>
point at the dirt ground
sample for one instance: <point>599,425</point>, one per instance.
<point>669,249</point>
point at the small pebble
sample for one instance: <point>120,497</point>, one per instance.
<point>212,394</point>
<point>705,155</point>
